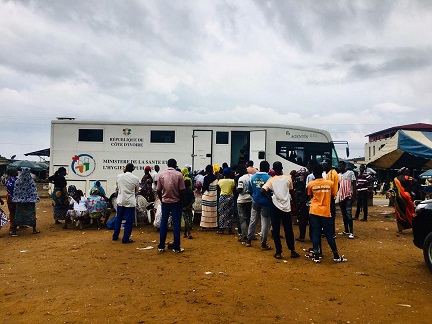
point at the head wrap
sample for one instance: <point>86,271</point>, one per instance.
<point>226,172</point>
<point>216,168</point>
<point>94,192</point>
<point>100,188</point>
<point>272,173</point>
<point>185,172</point>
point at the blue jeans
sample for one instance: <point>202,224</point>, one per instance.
<point>257,211</point>
<point>346,210</point>
<point>277,216</point>
<point>326,224</point>
<point>127,213</point>
<point>244,213</point>
<point>176,211</point>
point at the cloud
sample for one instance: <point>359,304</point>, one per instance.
<point>389,107</point>
<point>348,67</point>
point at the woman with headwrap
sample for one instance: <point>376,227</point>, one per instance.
<point>25,196</point>
<point>186,175</point>
<point>404,206</point>
<point>217,171</point>
<point>97,206</point>
<point>97,185</point>
<point>226,202</point>
<point>60,200</point>
<point>209,200</point>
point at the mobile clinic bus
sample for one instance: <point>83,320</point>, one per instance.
<point>93,151</point>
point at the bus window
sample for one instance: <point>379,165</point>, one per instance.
<point>302,152</point>
<point>334,158</point>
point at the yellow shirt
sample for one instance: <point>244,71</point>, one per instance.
<point>332,175</point>
<point>226,186</point>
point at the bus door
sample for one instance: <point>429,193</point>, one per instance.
<point>257,146</point>
<point>202,149</point>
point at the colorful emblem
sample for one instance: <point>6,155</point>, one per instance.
<point>127,131</point>
<point>83,165</point>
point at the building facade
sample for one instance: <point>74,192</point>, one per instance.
<point>378,139</point>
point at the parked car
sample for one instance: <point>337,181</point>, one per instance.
<point>422,230</point>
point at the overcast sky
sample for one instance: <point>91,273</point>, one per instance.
<point>350,67</point>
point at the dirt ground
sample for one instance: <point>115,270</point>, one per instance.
<point>74,276</point>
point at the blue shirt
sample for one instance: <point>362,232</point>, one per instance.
<point>256,182</point>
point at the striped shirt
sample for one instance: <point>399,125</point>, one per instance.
<point>345,184</point>
<point>363,181</point>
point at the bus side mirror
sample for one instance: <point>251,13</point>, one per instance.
<point>261,155</point>
<point>347,151</point>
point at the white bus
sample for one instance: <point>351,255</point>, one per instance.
<point>93,151</point>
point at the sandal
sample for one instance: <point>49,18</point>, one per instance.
<point>340,259</point>
<point>311,255</point>
<point>35,232</point>
<point>13,234</point>
<point>219,232</point>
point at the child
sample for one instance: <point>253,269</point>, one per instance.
<point>187,200</point>
<point>197,208</point>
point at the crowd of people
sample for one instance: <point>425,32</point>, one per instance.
<point>228,200</point>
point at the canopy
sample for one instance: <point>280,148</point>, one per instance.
<point>34,166</point>
<point>44,152</point>
<point>427,174</point>
<point>411,149</point>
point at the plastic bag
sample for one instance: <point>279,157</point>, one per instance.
<point>111,222</point>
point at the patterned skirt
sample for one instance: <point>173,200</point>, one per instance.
<point>209,207</point>
<point>226,211</point>
<point>25,214</point>
<point>60,203</point>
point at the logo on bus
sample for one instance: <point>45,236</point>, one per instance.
<point>127,131</point>
<point>83,165</point>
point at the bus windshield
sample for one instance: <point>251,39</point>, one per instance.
<point>302,152</point>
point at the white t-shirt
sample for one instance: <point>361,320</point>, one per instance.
<point>155,177</point>
<point>309,178</point>
<point>80,205</point>
<point>127,185</point>
<point>244,196</point>
<point>280,185</point>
